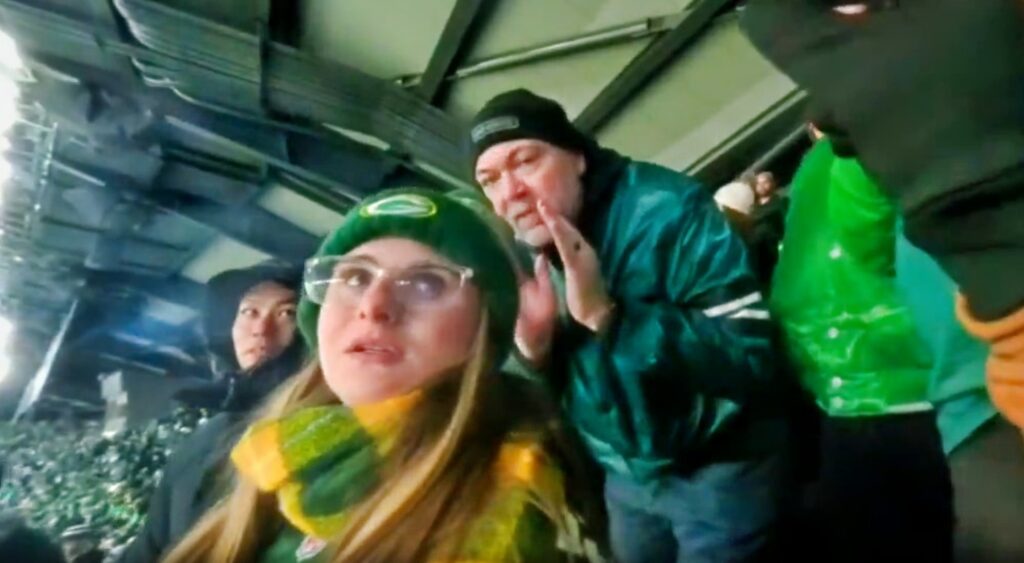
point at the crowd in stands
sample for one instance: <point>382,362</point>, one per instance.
<point>60,475</point>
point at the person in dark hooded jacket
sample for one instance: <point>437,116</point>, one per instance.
<point>250,329</point>
<point>249,320</point>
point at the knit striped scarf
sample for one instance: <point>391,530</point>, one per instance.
<point>322,461</point>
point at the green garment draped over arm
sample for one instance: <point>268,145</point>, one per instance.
<point>834,293</point>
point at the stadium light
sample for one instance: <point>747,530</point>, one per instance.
<point>6,171</point>
<point>8,103</point>
<point>6,331</point>
<point>9,57</point>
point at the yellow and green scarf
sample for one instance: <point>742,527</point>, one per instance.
<point>322,461</point>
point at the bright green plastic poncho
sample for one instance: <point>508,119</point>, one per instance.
<point>834,292</point>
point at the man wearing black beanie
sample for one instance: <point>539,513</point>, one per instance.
<point>649,323</point>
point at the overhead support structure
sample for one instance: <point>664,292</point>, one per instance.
<point>243,73</point>
<point>623,33</point>
<point>741,150</point>
<point>175,289</point>
<point>301,156</point>
<point>796,136</point>
<point>620,91</point>
<point>332,170</point>
<point>461,30</point>
<point>222,66</point>
<point>35,387</point>
<point>248,224</point>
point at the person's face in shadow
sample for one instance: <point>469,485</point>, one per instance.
<point>764,185</point>
<point>264,324</point>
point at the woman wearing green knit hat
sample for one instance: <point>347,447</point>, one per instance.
<point>401,441</point>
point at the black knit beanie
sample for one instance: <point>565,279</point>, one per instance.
<point>521,114</point>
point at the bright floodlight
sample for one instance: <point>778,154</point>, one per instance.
<point>6,171</point>
<point>8,89</point>
<point>6,328</point>
<point>9,56</point>
<point>8,103</point>
<point>5,365</point>
<point>8,117</point>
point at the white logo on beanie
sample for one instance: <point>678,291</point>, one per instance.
<point>492,126</point>
<point>404,205</point>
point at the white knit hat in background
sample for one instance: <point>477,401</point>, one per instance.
<point>737,196</point>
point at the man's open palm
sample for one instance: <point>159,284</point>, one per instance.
<point>585,293</point>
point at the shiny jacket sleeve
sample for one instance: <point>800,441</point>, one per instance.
<point>704,318</point>
<point>863,218</point>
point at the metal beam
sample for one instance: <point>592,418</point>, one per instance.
<point>730,157</point>
<point>275,148</point>
<point>222,68</point>
<point>596,39</point>
<point>111,349</point>
<point>406,122</point>
<point>60,401</point>
<point>790,142</point>
<point>90,230</point>
<point>249,224</point>
<point>175,289</point>
<point>35,387</point>
<point>618,93</point>
<point>100,321</point>
<point>465,21</point>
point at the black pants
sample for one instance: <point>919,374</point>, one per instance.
<point>883,494</point>
<point>988,479</point>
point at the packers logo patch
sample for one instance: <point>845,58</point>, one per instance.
<point>404,205</point>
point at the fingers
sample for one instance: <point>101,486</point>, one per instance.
<point>542,274</point>
<point>540,268</point>
<point>537,291</point>
<point>567,239</point>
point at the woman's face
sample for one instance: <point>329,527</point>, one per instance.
<point>396,317</point>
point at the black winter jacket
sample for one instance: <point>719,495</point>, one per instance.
<point>20,543</point>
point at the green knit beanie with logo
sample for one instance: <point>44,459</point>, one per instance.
<point>458,225</point>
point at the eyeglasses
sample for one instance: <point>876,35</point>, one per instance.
<point>347,279</point>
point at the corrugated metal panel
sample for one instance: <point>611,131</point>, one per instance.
<point>302,212</point>
<point>222,254</point>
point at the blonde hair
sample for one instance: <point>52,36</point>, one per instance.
<point>427,496</point>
